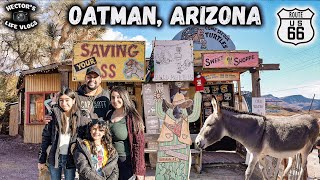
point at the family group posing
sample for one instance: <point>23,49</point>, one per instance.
<point>84,133</point>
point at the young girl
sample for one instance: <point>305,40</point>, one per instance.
<point>60,133</point>
<point>96,158</point>
<point>127,130</point>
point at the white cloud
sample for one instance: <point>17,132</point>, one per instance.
<point>112,35</point>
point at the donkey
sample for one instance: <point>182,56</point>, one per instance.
<point>279,137</point>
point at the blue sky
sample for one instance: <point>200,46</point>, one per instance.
<point>300,65</point>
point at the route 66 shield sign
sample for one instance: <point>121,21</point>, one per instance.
<point>295,26</point>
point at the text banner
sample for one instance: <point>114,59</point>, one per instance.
<point>230,60</point>
<point>229,76</point>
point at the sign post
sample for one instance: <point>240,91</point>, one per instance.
<point>259,105</point>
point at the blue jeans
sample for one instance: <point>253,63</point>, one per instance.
<point>55,173</point>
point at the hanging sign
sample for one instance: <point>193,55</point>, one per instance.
<point>259,105</point>
<point>230,60</point>
<point>173,60</point>
<point>228,76</point>
<point>119,61</point>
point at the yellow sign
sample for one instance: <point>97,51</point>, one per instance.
<point>228,76</point>
<point>118,61</point>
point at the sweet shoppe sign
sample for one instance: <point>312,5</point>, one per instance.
<point>230,59</point>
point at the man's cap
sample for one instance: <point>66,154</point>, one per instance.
<point>94,69</point>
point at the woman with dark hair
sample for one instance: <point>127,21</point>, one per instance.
<point>96,158</point>
<point>127,129</point>
<point>60,133</point>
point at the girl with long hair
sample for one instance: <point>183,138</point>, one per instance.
<point>96,158</point>
<point>127,129</point>
<point>60,133</point>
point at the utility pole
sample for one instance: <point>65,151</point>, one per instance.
<point>312,102</point>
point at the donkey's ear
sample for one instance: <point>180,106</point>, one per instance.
<point>216,108</point>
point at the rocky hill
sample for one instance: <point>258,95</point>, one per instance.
<point>297,102</point>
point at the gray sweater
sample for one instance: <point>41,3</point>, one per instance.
<point>84,165</point>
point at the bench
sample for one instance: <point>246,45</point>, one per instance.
<point>194,152</point>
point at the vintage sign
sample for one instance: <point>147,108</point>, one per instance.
<point>229,76</point>
<point>120,61</point>
<point>295,26</point>
<point>197,55</point>
<point>259,105</point>
<point>223,92</point>
<point>152,122</point>
<point>173,60</point>
<point>230,60</point>
<point>206,38</point>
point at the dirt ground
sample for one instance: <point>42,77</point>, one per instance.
<point>19,162</point>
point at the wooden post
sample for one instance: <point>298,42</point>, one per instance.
<point>239,95</point>
<point>13,120</point>
<point>201,116</point>
<point>64,71</point>
<point>137,90</point>
<point>255,78</point>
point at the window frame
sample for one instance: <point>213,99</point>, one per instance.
<point>27,95</point>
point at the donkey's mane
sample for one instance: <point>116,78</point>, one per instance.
<point>232,109</point>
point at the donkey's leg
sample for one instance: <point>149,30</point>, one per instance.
<point>285,172</point>
<point>263,166</point>
<point>251,165</point>
<point>304,156</point>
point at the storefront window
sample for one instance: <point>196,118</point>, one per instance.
<point>36,107</point>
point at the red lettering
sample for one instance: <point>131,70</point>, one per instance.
<point>112,68</point>
<point>84,49</point>
<point>95,50</point>
<point>104,68</point>
<point>108,72</point>
<point>101,50</point>
<point>121,49</point>
<point>112,51</point>
<point>104,51</point>
<point>132,53</point>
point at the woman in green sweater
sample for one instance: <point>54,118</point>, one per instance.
<point>127,129</point>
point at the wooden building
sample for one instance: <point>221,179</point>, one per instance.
<point>36,85</point>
